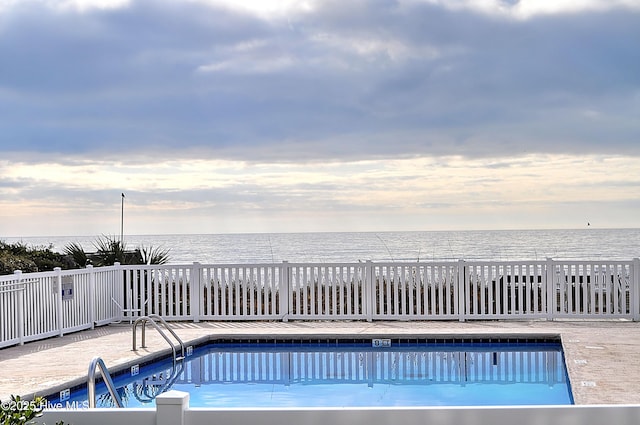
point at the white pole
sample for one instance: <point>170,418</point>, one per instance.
<point>122,222</point>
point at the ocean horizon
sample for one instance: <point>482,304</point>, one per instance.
<point>395,246</point>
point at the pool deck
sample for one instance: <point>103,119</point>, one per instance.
<point>603,357</point>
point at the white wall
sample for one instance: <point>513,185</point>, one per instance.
<point>173,409</point>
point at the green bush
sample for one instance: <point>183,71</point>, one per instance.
<point>20,412</point>
<point>10,263</point>
<point>18,256</point>
<point>108,250</point>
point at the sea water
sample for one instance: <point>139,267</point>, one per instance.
<point>492,245</point>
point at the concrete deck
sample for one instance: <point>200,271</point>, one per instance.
<point>603,357</point>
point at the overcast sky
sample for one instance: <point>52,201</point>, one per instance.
<point>216,116</point>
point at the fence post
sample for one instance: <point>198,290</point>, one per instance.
<point>20,293</point>
<point>635,289</point>
<point>461,288</point>
<point>370,295</point>
<point>550,289</point>
<point>58,286</point>
<point>196,291</point>
<point>118,283</point>
<point>284,291</point>
<point>92,295</point>
<point>170,407</point>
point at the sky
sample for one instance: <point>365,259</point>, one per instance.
<point>216,116</point>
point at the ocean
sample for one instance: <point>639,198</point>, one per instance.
<point>501,245</point>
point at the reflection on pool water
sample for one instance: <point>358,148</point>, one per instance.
<point>350,374</point>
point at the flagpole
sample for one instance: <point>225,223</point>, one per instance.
<point>122,222</point>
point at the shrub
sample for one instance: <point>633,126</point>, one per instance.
<point>10,263</point>
<point>20,412</point>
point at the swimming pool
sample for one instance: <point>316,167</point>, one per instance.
<point>349,373</point>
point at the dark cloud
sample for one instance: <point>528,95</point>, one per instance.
<point>348,80</point>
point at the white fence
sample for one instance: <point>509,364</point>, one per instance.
<point>40,305</point>
<point>172,408</point>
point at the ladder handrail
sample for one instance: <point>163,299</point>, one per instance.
<point>171,331</point>
<point>152,319</point>
<point>97,362</point>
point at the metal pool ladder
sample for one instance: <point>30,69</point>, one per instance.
<point>154,319</point>
<point>97,362</point>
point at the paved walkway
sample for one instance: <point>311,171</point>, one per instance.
<point>603,358</point>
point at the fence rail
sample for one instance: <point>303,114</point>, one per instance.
<point>41,305</point>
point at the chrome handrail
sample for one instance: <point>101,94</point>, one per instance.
<point>97,362</point>
<point>152,319</point>
<point>171,331</point>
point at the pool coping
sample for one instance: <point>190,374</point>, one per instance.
<point>519,339</point>
<point>523,338</point>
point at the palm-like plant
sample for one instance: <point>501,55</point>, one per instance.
<point>110,250</point>
<point>154,255</point>
<point>76,252</point>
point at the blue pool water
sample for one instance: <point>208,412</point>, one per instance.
<point>349,374</point>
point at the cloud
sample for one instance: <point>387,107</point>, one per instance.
<point>333,80</point>
<point>388,194</point>
<point>246,116</point>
